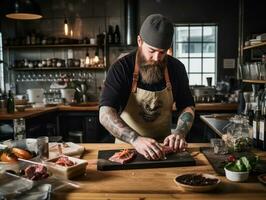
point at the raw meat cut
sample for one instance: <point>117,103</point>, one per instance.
<point>167,150</point>
<point>123,156</point>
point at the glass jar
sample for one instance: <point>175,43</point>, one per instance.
<point>238,134</point>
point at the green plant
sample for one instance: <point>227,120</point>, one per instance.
<point>242,164</point>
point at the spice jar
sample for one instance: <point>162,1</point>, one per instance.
<point>238,134</point>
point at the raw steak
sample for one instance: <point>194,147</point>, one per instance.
<point>167,150</point>
<point>123,156</point>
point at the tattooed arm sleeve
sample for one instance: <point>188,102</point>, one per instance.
<point>110,119</point>
<point>185,121</point>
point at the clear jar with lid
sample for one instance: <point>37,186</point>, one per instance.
<point>238,134</point>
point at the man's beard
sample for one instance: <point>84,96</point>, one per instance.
<point>151,71</point>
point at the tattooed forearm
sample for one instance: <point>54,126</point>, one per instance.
<point>185,121</point>
<point>110,119</point>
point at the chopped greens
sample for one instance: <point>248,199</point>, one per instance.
<point>242,164</point>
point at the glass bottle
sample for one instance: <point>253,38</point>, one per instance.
<point>19,129</point>
<point>262,136</point>
<point>261,131</point>
<point>256,126</point>
<point>10,103</point>
<point>117,36</point>
<point>110,35</point>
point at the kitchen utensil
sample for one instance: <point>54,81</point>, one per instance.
<point>172,160</point>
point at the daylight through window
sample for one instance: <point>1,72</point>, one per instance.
<point>195,46</point>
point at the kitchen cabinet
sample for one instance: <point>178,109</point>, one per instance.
<point>85,122</point>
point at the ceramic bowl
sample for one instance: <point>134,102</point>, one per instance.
<point>67,172</point>
<point>236,176</point>
<point>183,179</point>
<point>262,178</point>
<point>21,108</point>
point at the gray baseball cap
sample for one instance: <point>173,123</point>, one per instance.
<point>157,31</point>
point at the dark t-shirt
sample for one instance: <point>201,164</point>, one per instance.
<point>117,86</point>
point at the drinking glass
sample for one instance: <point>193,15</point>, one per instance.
<point>219,146</point>
<point>43,147</point>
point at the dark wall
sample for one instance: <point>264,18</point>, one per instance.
<point>88,16</point>
<point>254,18</point>
<point>223,13</point>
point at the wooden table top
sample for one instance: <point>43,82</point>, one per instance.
<point>93,106</point>
<point>158,183</point>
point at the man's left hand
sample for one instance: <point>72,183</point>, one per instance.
<point>176,141</point>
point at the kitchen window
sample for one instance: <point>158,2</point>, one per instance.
<point>196,47</point>
<point>1,65</point>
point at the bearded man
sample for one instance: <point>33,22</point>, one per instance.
<point>140,90</point>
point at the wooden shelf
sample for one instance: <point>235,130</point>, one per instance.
<point>255,81</point>
<point>58,68</point>
<point>53,46</point>
<point>255,46</point>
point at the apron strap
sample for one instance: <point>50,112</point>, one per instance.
<point>136,76</point>
<point>167,79</point>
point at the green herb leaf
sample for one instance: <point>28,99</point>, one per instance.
<point>246,162</point>
<point>241,167</point>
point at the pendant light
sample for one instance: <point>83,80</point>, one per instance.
<point>87,59</point>
<point>65,26</point>
<point>71,33</point>
<point>96,57</point>
<point>24,10</point>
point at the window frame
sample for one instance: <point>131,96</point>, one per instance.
<point>202,42</point>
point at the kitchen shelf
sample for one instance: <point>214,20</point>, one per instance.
<point>255,81</point>
<point>53,46</point>
<point>58,68</point>
<point>255,46</point>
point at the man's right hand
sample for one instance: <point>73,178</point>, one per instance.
<point>149,148</point>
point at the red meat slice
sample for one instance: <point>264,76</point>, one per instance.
<point>64,161</point>
<point>40,169</point>
<point>123,156</point>
<point>167,150</point>
<point>36,172</point>
<point>30,171</point>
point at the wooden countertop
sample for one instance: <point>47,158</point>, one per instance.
<point>216,122</point>
<point>158,183</point>
<point>216,106</point>
<point>34,112</point>
<point>93,106</point>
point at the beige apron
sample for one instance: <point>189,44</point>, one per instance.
<point>149,113</point>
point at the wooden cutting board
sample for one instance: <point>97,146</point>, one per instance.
<point>172,160</point>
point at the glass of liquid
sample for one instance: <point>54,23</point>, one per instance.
<point>43,147</point>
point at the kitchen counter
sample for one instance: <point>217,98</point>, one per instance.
<point>33,112</point>
<point>216,106</point>
<point>93,106</point>
<point>158,183</point>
